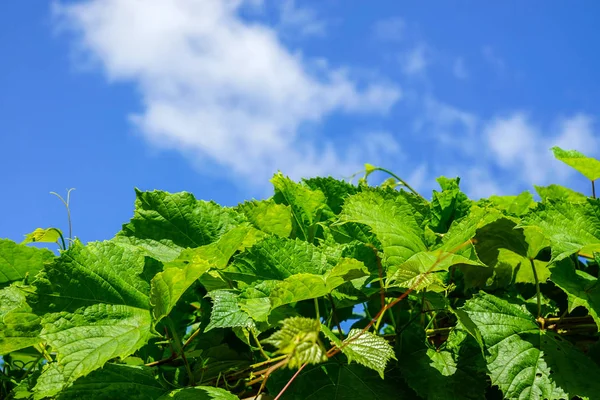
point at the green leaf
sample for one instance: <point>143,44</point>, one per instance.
<point>177,220</point>
<point>561,193</point>
<point>448,205</point>
<point>101,272</point>
<point>335,380</point>
<point>514,205</point>
<point>503,246</point>
<point>335,191</point>
<point>18,261</point>
<point>589,167</point>
<point>87,339</point>
<point>368,349</point>
<point>268,216</point>
<point>394,222</point>
<point>116,381</point>
<point>525,361</point>
<point>41,235</point>
<point>19,327</point>
<point>306,204</point>
<point>456,371</point>
<point>226,312</point>
<point>299,338</point>
<point>571,228</point>
<point>199,393</point>
<point>581,288</point>
<point>276,259</point>
<point>421,270</point>
<point>168,286</point>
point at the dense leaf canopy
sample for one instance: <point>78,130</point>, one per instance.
<point>325,290</point>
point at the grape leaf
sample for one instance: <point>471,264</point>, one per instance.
<point>367,349</point>
<point>199,393</point>
<point>393,221</point>
<point>41,235</point>
<point>115,381</point>
<point>276,259</point>
<point>268,216</point>
<point>18,261</point>
<point>571,228</point>
<point>177,221</point>
<point>525,361</point>
<point>19,327</point>
<point>335,191</point>
<point>448,205</point>
<point>226,312</point>
<point>589,167</point>
<point>561,193</point>
<point>306,204</point>
<point>455,371</point>
<point>299,338</point>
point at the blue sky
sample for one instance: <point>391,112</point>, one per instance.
<point>213,97</point>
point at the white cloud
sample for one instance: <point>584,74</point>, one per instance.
<point>221,89</point>
<point>459,69</point>
<point>520,146</point>
<point>390,29</point>
<point>415,61</point>
<point>302,20</point>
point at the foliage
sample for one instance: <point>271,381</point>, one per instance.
<point>325,290</point>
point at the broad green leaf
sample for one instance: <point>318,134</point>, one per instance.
<point>556,192</point>
<point>226,312</point>
<point>100,272</point>
<point>19,327</point>
<point>306,204</point>
<point>335,191</point>
<point>18,261</point>
<point>268,216</point>
<point>571,228</point>
<point>86,339</point>
<point>393,221</point>
<point>525,361</point>
<point>514,205</point>
<point>276,259</point>
<point>503,246</point>
<point>199,393</point>
<point>116,381</point>
<point>456,371</point>
<point>448,205</point>
<point>178,220</point>
<point>299,338</point>
<point>589,167</point>
<point>168,286</point>
<point>43,235</point>
<point>456,240</point>
<point>421,271</point>
<point>259,300</point>
<point>582,289</point>
<point>368,349</point>
<point>337,380</point>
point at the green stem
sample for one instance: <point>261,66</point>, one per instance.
<point>402,181</point>
<point>62,238</point>
<point>537,288</point>
<point>593,190</point>
<point>178,349</point>
<point>260,348</point>
<point>317,309</point>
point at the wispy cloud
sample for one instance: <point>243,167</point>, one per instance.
<point>221,89</point>
<point>301,20</point>
<point>416,60</point>
<point>493,59</point>
<point>390,29</point>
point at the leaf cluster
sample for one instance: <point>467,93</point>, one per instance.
<point>325,290</point>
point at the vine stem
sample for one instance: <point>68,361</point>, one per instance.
<point>593,190</point>
<point>537,288</point>
<point>402,181</point>
<point>287,385</point>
